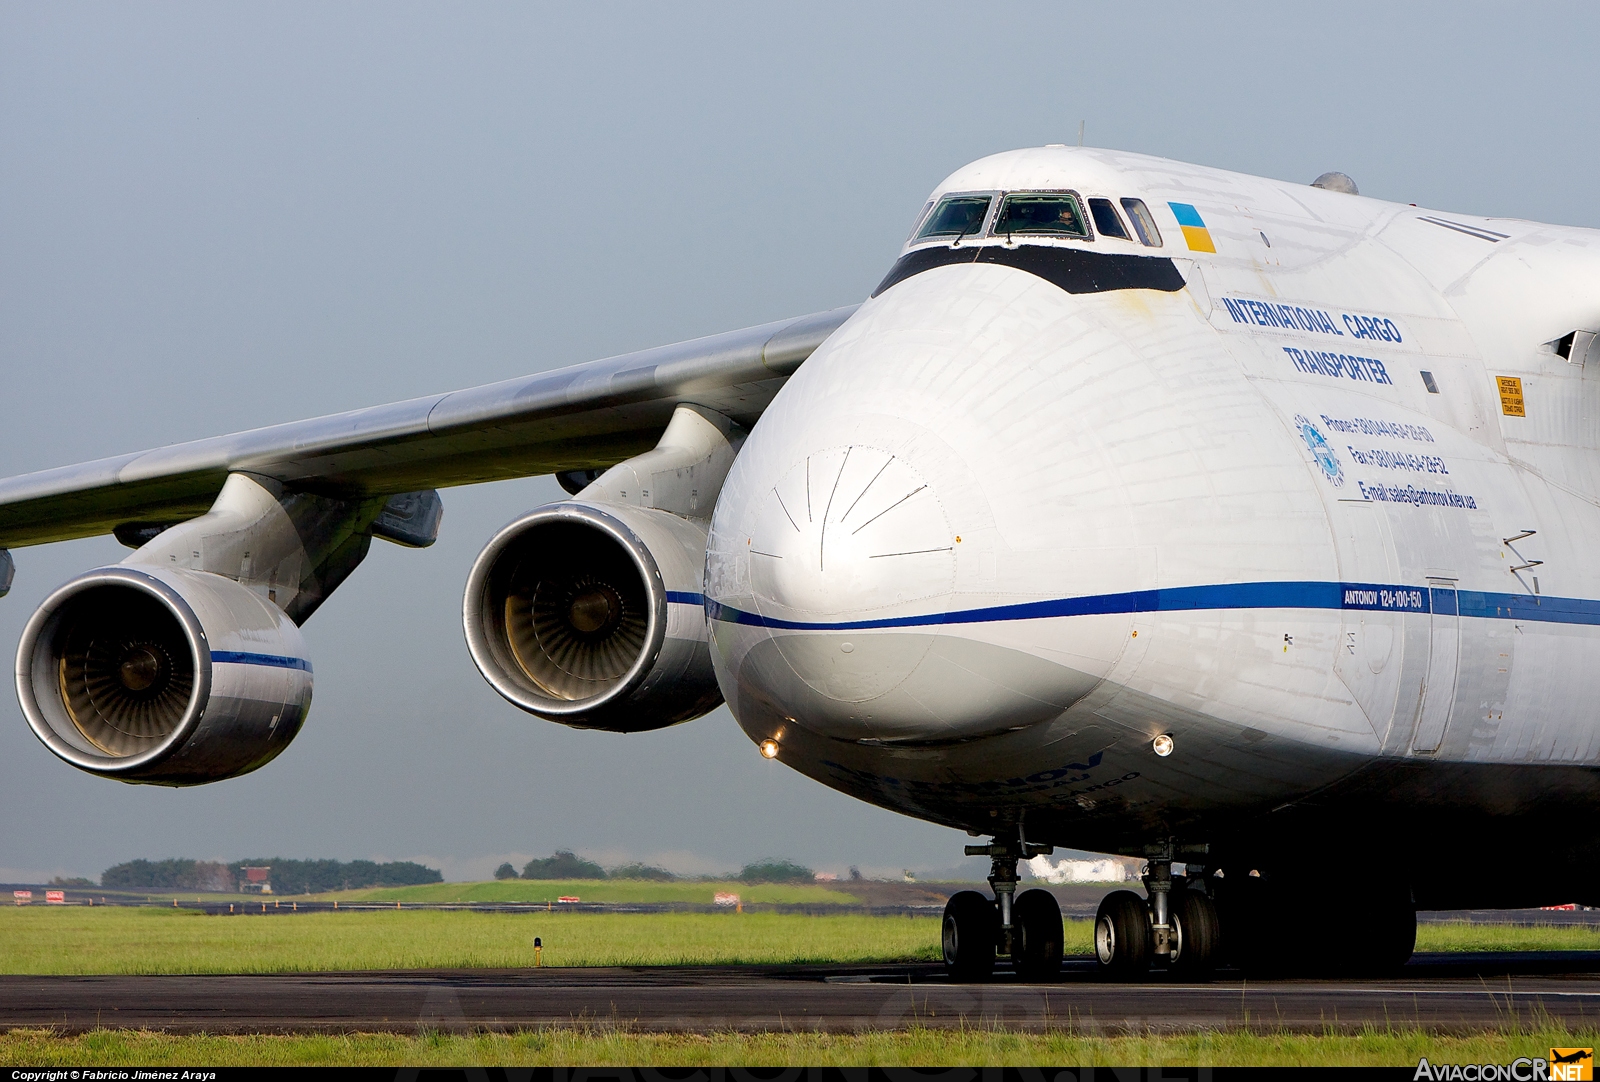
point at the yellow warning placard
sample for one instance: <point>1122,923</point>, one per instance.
<point>1511,396</point>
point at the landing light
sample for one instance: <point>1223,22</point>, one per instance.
<point>1162,745</point>
<point>769,748</point>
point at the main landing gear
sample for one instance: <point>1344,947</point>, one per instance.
<point>1275,925</point>
<point>1026,927</point>
<point>1175,927</point>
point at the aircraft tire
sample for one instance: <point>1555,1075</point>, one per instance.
<point>1036,923</point>
<point>1122,946</point>
<point>969,934</point>
<point>1199,935</point>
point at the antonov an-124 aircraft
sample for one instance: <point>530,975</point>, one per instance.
<point>1146,508</point>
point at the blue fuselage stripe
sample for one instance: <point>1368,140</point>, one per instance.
<point>273,661</point>
<point>1380,597</point>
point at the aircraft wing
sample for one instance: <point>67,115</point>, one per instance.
<point>587,416</point>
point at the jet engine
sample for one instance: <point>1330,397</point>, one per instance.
<point>164,676</point>
<point>592,615</point>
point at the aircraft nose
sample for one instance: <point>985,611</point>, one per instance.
<point>846,531</point>
<point>831,581</point>
<point>844,540</point>
<point>828,592</point>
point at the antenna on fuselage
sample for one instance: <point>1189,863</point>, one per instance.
<point>1080,133</point>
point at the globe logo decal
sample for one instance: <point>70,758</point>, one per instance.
<point>1321,451</point>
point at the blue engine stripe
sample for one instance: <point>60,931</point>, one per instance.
<point>683,597</point>
<point>1386,597</point>
<point>270,660</point>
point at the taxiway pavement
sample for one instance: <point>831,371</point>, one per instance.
<point>1436,992</point>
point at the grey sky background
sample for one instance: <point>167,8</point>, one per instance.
<point>221,216</point>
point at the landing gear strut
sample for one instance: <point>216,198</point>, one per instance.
<point>1177,927</point>
<point>1025,928</point>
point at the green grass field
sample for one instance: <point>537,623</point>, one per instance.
<point>911,1048</point>
<point>155,940</point>
<point>598,890</point>
<point>1461,936</point>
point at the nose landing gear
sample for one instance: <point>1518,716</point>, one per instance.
<point>1122,937</point>
<point>1177,927</point>
<point>1026,927</point>
<point>970,933</point>
<point>1368,930</point>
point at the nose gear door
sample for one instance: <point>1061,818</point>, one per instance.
<point>1369,637</point>
<point>1444,650</point>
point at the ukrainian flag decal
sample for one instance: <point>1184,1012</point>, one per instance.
<point>1194,227</point>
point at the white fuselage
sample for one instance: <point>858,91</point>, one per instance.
<point>994,537</point>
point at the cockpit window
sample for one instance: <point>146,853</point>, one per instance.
<point>957,216</point>
<point>1047,213</point>
<point>1143,224</point>
<point>1106,219</point>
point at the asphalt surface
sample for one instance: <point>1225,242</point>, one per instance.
<point>1440,993</point>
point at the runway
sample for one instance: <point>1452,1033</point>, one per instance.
<point>1436,992</point>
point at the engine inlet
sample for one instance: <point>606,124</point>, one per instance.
<point>125,670</point>
<point>162,676</point>
<point>592,616</point>
<point>113,671</point>
<point>574,608</point>
<point>578,629</point>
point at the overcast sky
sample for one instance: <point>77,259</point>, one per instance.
<point>218,216</point>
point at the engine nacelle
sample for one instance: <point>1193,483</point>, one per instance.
<point>165,676</point>
<point>592,615</point>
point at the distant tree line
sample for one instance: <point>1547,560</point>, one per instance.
<point>176,874</point>
<point>287,876</point>
<point>776,871</point>
<point>317,876</point>
<point>565,864</point>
